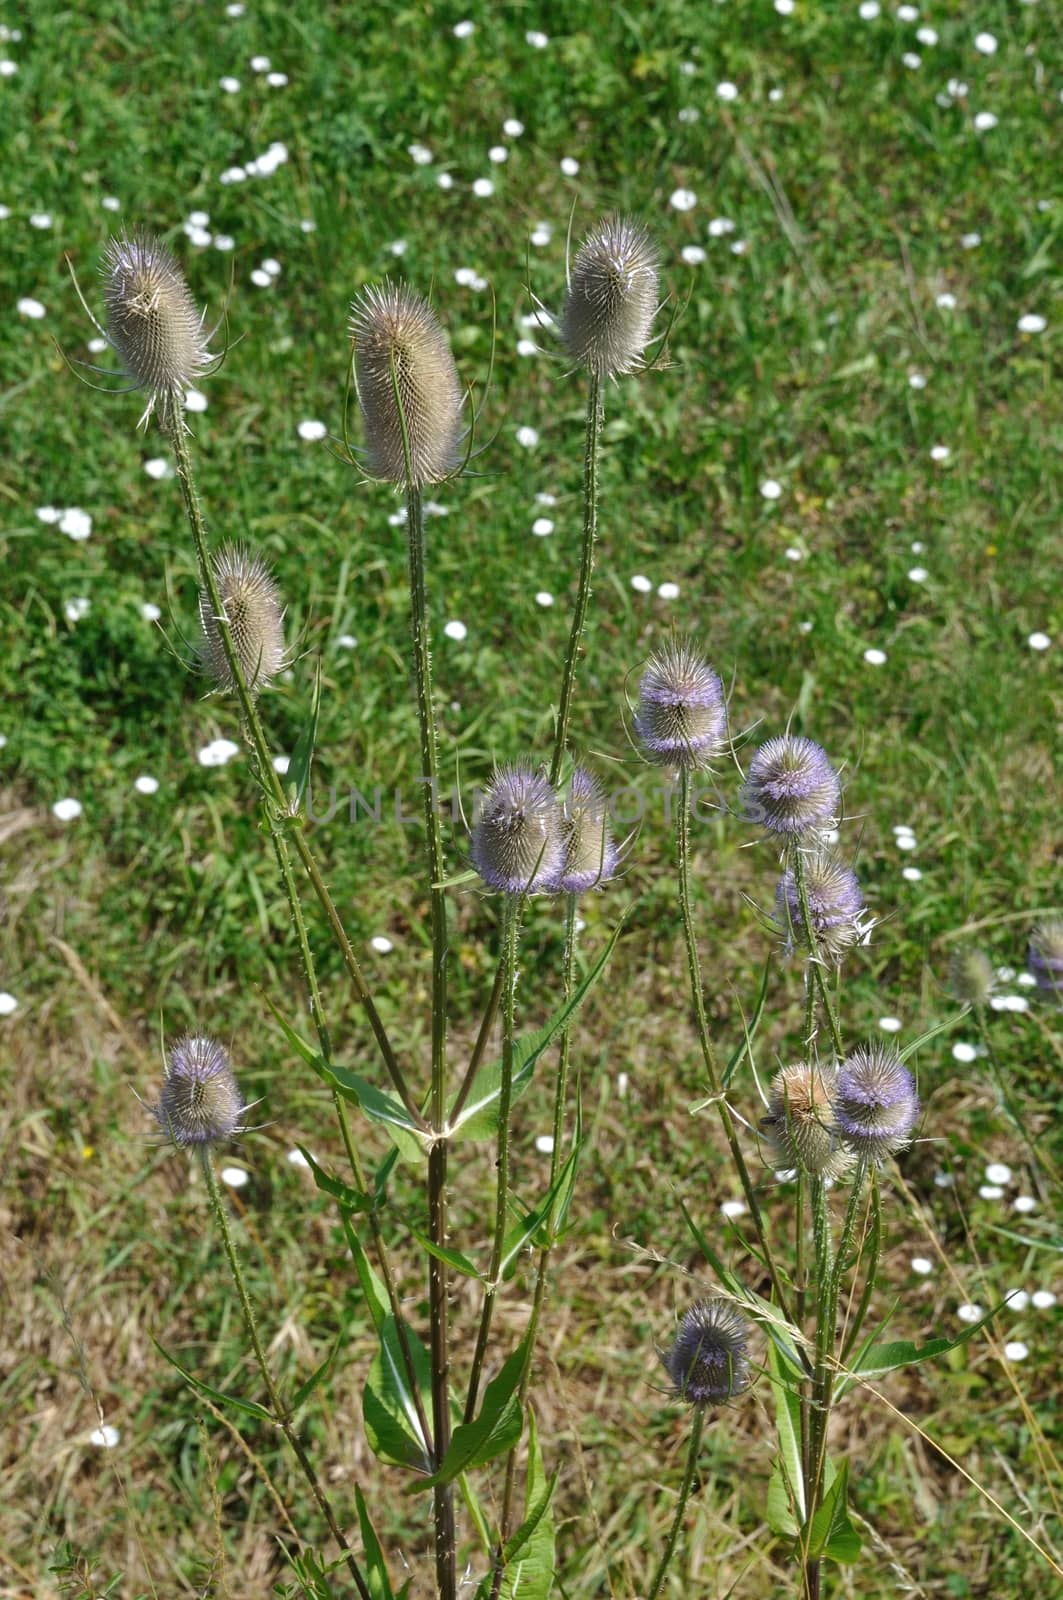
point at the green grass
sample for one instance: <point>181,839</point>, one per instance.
<point>790,361</point>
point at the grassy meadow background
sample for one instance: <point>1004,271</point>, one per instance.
<point>842,482</point>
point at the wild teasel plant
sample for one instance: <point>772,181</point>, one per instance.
<point>834,1117</point>
<point>533,836</point>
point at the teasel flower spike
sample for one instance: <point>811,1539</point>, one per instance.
<point>835,903</point>
<point>971,977</point>
<point>251,604</point>
<point>799,1125</point>
<point>791,788</point>
<point>875,1103</point>
<point>517,843</point>
<point>611,302</point>
<point>681,720</point>
<point>708,1363</point>
<point>591,856</point>
<point>153,324</point>
<point>407,386</point>
<point>201,1102</point>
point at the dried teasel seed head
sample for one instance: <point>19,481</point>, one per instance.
<point>153,323</point>
<point>200,1102</point>
<point>799,1125</point>
<point>791,786</point>
<point>708,1361</point>
<point>591,855</point>
<point>875,1103</point>
<point>682,715</point>
<point>252,606</point>
<point>612,298</point>
<point>517,842</point>
<point>406,375</point>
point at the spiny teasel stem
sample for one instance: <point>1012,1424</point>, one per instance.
<point>509,959</point>
<point>696,1426</point>
<point>586,570</point>
<point>438,1288</point>
<point>280,842</point>
<point>568,975</point>
<point>830,1266</point>
<point>317,1012</point>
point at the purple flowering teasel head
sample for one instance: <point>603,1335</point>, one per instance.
<point>517,839</point>
<point>1045,956</point>
<point>681,720</point>
<point>590,853</point>
<point>875,1103</point>
<point>835,904</point>
<point>708,1360</point>
<point>200,1102</point>
<point>791,787</point>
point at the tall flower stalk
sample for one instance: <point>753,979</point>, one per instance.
<point>410,399</point>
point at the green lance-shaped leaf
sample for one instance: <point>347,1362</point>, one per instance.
<point>378,1106</point>
<point>829,1533</point>
<point>389,1410</point>
<point>442,1252</point>
<point>250,1407</point>
<point>528,1557</point>
<point>786,1509</point>
<point>495,1430</point>
<point>375,1566</point>
<point>745,1047</point>
<point>874,1360</point>
<point>478,1118</point>
<point>536,1225</point>
<point>305,1390</point>
<point>376,1295</point>
<point>352,1200</point>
